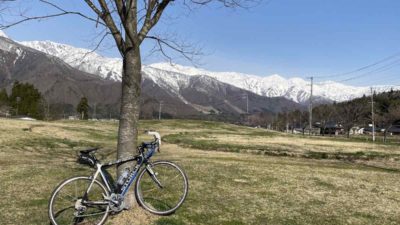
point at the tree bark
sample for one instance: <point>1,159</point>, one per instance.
<point>130,109</point>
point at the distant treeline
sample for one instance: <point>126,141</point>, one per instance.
<point>25,99</point>
<point>357,112</point>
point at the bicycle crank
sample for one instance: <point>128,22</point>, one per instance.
<point>117,203</point>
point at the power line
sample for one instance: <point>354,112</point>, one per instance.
<point>382,79</point>
<point>372,72</point>
<point>361,68</point>
<point>378,70</point>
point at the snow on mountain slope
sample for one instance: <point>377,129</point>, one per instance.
<point>7,45</point>
<point>2,34</point>
<point>295,89</point>
<point>174,77</point>
<point>82,59</point>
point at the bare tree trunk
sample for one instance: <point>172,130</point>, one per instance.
<point>130,109</point>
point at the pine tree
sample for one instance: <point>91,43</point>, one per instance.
<point>25,100</point>
<point>82,108</point>
<point>4,101</point>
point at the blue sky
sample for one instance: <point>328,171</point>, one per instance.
<point>287,37</point>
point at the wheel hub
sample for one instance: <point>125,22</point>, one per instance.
<point>79,208</point>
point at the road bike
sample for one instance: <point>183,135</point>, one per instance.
<point>161,188</point>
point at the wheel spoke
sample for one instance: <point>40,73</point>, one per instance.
<point>67,207</point>
<point>71,197</point>
<point>61,211</point>
<point>171,180</point>
<point>166,199</point>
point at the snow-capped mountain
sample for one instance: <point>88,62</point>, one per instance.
<point>176,76</point>
<point>2,34</point>
<point>295,89</point>
<point>82,59</point>
<point>56,80</point>
<point>183,96</point>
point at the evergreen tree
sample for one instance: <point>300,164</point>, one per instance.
<point>83,108</point>
<point>25,100</point>
<point>3,97</point>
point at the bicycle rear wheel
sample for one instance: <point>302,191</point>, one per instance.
<point>161,187</point>
<point>68,204</point>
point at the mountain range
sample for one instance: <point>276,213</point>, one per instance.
<point>64,82</point>
<point>295,89</point>
<point>64,74</point>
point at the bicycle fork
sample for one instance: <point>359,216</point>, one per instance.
<point>153,176</point>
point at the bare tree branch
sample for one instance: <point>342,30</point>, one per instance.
<point>3,27</point>
<point>127,14</point>
<point>108,20</point>
<point>150,20</point>
<point>129,18</point>
<point>72,12</point>
<point>96,47</point>
<point>244,4</point>
<point>62,13</point>
<point>186,50</point>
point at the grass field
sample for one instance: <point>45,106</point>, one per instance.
<point>237,175</point>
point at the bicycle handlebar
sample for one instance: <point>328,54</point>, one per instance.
<point>156,135</point>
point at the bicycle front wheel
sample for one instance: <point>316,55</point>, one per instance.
<point>69,204</point>
<point>161,187</point>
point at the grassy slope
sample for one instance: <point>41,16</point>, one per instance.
<point>226,187</point>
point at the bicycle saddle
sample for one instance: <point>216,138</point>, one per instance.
<point>87,151</point>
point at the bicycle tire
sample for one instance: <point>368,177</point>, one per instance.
<point>62,186</point>
<point>171,185</point>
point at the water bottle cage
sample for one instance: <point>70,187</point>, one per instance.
<point>122,178</point>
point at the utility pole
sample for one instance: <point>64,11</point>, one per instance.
<point>48,110</point>
<point>311,102</point>
<point>109,112</point>
<point>18,100</point>
<point>63,104</point>
<point>373,115</point>
<point>287,123</point>
<point>94,113</point>
<point>247,102</point>
<point>159,110</point>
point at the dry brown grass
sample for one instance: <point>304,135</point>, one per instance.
<point>225,187</point>
<point>301,144</point>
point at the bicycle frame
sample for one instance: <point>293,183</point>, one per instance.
<point>141,159</point>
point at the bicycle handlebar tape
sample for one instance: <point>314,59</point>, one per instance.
<point>156,135</point>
